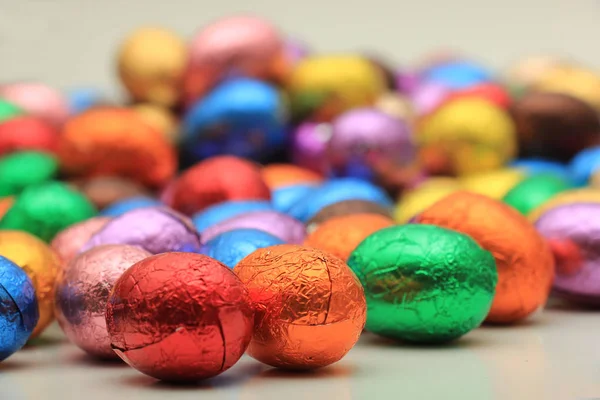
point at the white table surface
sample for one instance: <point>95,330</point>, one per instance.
<point>555,355</point>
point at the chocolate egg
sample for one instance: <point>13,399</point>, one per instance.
<point>524,261</point>
<point>69,241</point>
<point>534,191</point>
<point>27,133</point>
<point>584,195</point>
<point>310,308</point>
<point>226,210</point>
<point>38,100</point>
<point>584,165</point>
<point>128,204</point>
<point>309,146</point>
<point>9,110</point>
<point>491,92</point>
<point>457,74</point>
<point>42,266</point>
<point>282,175</point>
<point>532,166</point>
<point>423,196</point>
<point>179,317</point>
<point>155,229</point>
<point>284,198</point>
<point>82,292</point>
<point>572,80</point>
<point>159,118</point>
<point>23,169</point>
<point>347,207</point>
<point>115,142</point>
<point>428,96</point>
<point>106,190</point>
<point>494,184</point>
<point>151,64</point>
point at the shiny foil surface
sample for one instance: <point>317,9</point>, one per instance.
<point>155,229</point>
<point>340,235</point>
<point>523,259</point>
<point>423,196</point>
<point>583,195</point>
<point>5,204</point>
<point>23,169</point>
<point>347,207</point>
<point>129,204</point>
<point>69,241</point>
<point>105,190</point>
<point>584,166</point>
<point>114,141</point>
<point>226,210</point>
<point>284,198</point>
<point>310,307</point>
<point>216,180</point>
<point>179,317</point>
<point>46,209</point>
<point>534,191</point>
<point>82,292</point>
<point>309,146</point>
<point>19,312</point>
<point>41,264</point>
<point>161,119</point>
<point>232,246</point>
<point>281,175</point>
<point>27,133</point>
<point>573,231</point>
<point>37,99</point>
<point>280,225</point>
<point>424,283</point>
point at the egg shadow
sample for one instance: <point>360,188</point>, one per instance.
<point>571,306</point>
<point>332,371</point>
<point>91,361</point>
<point>463,342</point>
<point>11,365</point>
<point>43,342</point>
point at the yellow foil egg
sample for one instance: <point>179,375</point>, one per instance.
<point>583,195</point>
<point>423,196</point>
<point>160,118</point>
<point>467,135</point>
<point>151,63</point>
<point>325,86</point>
<point>493,184</point>
<point>578,82</point>
<point>42,266</point>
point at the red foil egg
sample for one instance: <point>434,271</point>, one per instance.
<point>179,317</point>
<point>215,180</point>
<point>27,133</point>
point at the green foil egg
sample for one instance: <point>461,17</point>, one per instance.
<point>23,169</point>
<point>424,283</point>
<point>535,190</point>
<point>45,209</point>
<point>8,110</point>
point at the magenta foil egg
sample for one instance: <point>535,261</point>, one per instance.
<point>38,100</point>
<point>429,96</point>
<point>69,241</point>
<point>309,146</point>
<point>364,136</point>
<point>280,225</point>
<point>82,293</point>
<point>155,229</point>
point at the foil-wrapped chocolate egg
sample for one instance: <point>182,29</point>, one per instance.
<point>534,191</point>
<point>38,100</point>
<point>215,180</point>
<point>310,307</point>
<point>423,196</point>
<point>340,235</point>
<point>465,136</point>
<point>5,204</point>
<point>41,264</point>
<point>242,117</point>
<point>280,225</point>
<point>9,110</point>
<point>523,258</point>
<point>309,146</point>
<point>337,190</point>
<point>321,87</point>
<point>281,175</point>
<point>363,137</point>
<point>226,210</point>
<point>46,209</point>
<point>27,133</point>
<point>457,74</point>
<point>128,204</point>
<point>151,64</point>
<point>232,246</point>
<point>23,169</point>
<point>572,80</point>
<point>347,207</point>
<point>82,292</point>
<point>584,165</point>
<point>19,308</point>
<point>68,242</point>
<point>155,229</point>
<point>572,230</point>
<point>284,198</point>
<point>554,125</point>
<point>179,317</point>
<point>494,184</point>
<point>103,191</point>
<point>240,45</point>
<point>492,92</point>
<point>583,195</point>
<point>428,96</point>
<point>161,119</point>
<point>115,142</point>
<point>533,166</point>
<point>424,283</point>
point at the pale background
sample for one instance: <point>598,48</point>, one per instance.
<point>71,43</point>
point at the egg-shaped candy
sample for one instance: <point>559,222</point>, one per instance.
<point>68,242</point>
<point>309,146</point>
<point>584,165</point>
<point>226,210</point>
<point>583,195</point>
<point>128,204</point>
<point>494,184</point>
<point>281,175</point>
<point>417,199</point>
<point>161,119</point>
<point>19,308</point>
<point>9,110</point>
<point>23,169</point>
<point>284,198</point>
<point>103,191</point>
<point>535,190</point>
<point>27,133</point>
<point>115,142</point>
<point>572,80</point>
<point>346,207</point>
<point>491,92</point>
<point>428,96</point>
<point>533,166</point>
<point>38,100</point>
<point>457,74</point>
<point>151,64</point>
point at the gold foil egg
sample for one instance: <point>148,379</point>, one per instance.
<point>494,184</point>
<point>423,196</point>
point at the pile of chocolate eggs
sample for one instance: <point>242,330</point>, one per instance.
<point>253,196</point>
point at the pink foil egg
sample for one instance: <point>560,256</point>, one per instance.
<point>37,99</point>
<point>69,241</point>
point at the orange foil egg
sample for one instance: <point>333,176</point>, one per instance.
<point>340,235</point>
<point>310,307</point>
<point>280,175</point>
<point>115,141</point>
<point>42,266</point>
<point>524,261</point>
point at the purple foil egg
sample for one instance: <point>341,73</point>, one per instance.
<point>309,145</point>
<point>573,232</point>
<point>407,82</point>
<point>366,135</point>
<point>155,229</point>
<point>280,225</point>
<point>429,96</point>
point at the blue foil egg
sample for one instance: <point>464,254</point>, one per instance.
<point>534,166</point>
<point>133,203</point>
<point>583,165</point>
<point>337,190</point>
<point>285,197</point>
<point>242,117</point>
<point>228,209</point>
<point>458,74</point>
<point>230,247</point>
<point>19,312</point>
